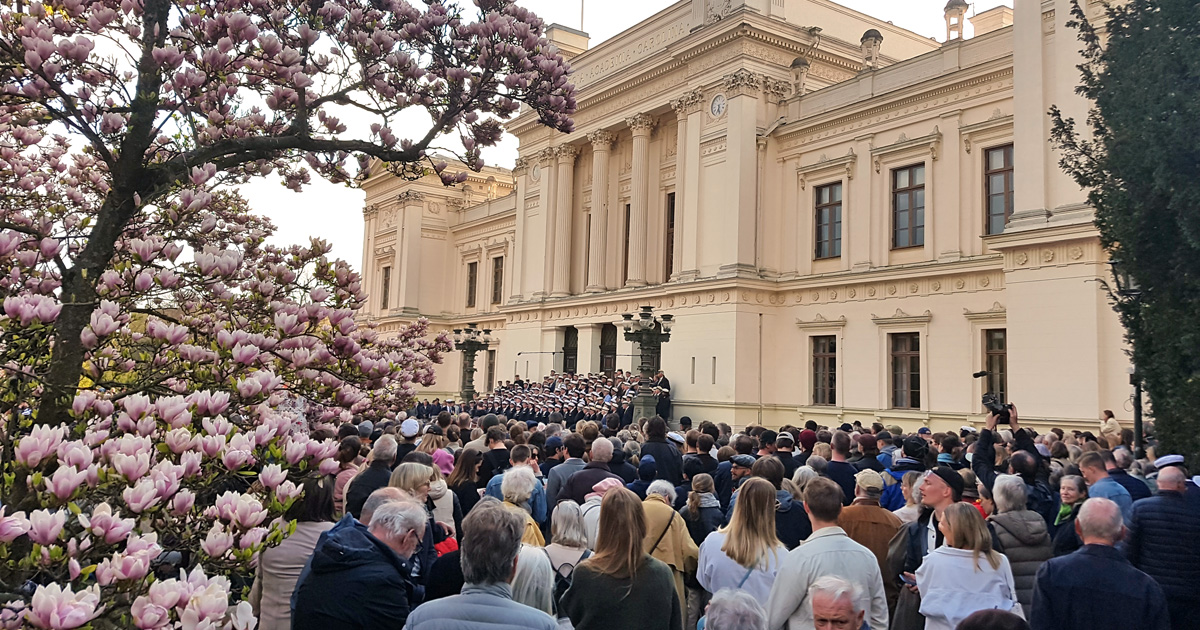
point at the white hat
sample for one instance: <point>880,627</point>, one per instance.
<point>410,428</point>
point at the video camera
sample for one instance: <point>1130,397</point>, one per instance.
<point>992,403</point>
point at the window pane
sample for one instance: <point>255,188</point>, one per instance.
<point>919,198</point>
<point>901,179</point>
<point>837,192</point>
<point>918,176</point>
<point>901,220</point>
<point>996,159</point>
<point>902,201</point>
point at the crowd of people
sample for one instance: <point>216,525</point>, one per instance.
<point>484,520</point>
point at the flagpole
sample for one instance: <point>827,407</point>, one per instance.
<point>581,2</point>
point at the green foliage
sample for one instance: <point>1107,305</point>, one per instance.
<point>1141,165</point>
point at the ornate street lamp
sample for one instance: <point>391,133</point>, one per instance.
<point>649,332</point>
<point>1128,291</point>
<point>470,340</point>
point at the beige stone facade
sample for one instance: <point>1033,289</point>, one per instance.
<point>846,219</point>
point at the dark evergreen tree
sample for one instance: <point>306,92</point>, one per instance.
<point>1140,159</point>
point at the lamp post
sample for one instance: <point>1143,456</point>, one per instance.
<point>470,340</point>
<point>1127,290</point>
<point>649,332</point>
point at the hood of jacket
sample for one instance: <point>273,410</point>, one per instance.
<point>618,457</point>
<point>1026,526</point>
<point>786,502</point>
<point>349,546</point>
<point>437,490</point>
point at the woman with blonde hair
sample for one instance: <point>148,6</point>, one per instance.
<point>910,487</point>
<point>434,444</point>
<point>745,555</point>
<point>517,487</point>
<point>621,586</point>
<point>416,480</point>
<point>965,575</point>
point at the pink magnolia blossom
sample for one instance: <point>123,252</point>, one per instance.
<point>107,524</point>
<point>148,615</point>
<point>329,466</point>
<point>191,462</point>
<point>252,538</point>
<point>75,453</point>
<point>38,445</point>
<point>60,608</point>
<point>182,502</point>
<point>13,527</point>
<point>142,496</point>
<point>217,542</point>
<point>165,593</point>
<point>122,567</point>
<point>137,406</point>
<point>45,526</point>
<point>132,467</point>
<point>272,475</point>
<point>181,440</point>
<point>65,481</point>
<point>286,491</point>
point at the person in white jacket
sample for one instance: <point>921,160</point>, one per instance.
<point>965,575</point>
<point>745,555</point>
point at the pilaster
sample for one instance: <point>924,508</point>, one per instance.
<point>601,146</point>
<point>562,220</point>
<point>641,125</point>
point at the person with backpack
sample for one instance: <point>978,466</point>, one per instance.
<point>568,547</point>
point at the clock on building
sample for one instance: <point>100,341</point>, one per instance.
<point>717,107</point>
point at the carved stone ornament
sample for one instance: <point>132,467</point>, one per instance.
<point>640,123</point>
<point>535,171</point>
<point>717,10</point>
<point>601,140</point>
<point>777,89</point>
<point>742,82</point>
<point>370,210</point>
<point>688,103</point>
<point>567,153</point>
<point>520,167</point>
<point>410,196</point>
<point>548,154</point>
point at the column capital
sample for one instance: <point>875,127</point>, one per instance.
<point>567,153</point>
<point>520,167</point>
<point>410,198</point>
<point>547,155</point>
<point>688,103</point>
<point>601,140</point>
<point>370,210</point>
<point>742,82</point>
<point>641,124</point>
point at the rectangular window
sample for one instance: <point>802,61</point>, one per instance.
<point>385,292</point>
<point>906,370</point>
<point>472,283</point>
<point>998,181</point>
<point>491,370</point>
<point>669,246</point>
<point>908,207</point>
<point>625,250</point>
<point>829,221</point>
<point>996,362</point>
<point>497,279</point>
<point>824,362</point>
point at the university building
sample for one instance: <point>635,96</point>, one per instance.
<point>846,219</point>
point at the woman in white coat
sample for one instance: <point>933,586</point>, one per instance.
<point>745,555</point>
<point>966,575</point>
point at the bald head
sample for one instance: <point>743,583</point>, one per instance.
<point>602,451</point>
<point>1172,479</point>
<point>1100,522</point>
<point>386,494</point>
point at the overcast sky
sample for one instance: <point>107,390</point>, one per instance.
<point>334,212</point>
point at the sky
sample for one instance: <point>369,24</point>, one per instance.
<point>334,212</point>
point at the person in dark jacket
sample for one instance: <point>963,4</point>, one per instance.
<point>1026,462</point>
<point>701,512</point>
<point>647,472</point>
<point>579,485</point>
<point>669,459</point>
<point>1116,463</point>
<point>1096,588</point>
<point>912,458</point>
<point>1163,543</point>
<point>1072,492</point>
<point>791,521</point>
<point>784,444</point>
<point>619,466</point>
<point>869,446</point>
<point>357,576</point>
<point>373,477</point>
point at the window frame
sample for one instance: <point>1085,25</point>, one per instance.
<point>823,351</point>
<point>910,192</point>
<point>669,234</point>
<point>996,383</point>
<point>1008,194</point>
<point>497,279</point>
<point>835,230</point>
<point>472,283</point>
<point>385,292</point>
<point>904,358</point>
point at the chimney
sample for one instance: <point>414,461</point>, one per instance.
<point>955,11</point>
<point>570,42</point>
<point>993,19</point>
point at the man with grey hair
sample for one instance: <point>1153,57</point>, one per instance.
<point>835,604</point>
<point>1162,542</point>
<point>357,576</point>
<point>730,609</point>
<point>871,526</point>
<point>383,495</point>
<point>580,483</point>
<point>490,549</point>
<point>373,477</point>
<point>1096,588</point>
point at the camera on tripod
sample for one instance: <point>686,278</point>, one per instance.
<point>992,403</point>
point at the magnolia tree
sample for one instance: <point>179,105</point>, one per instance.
<point>163,365</point>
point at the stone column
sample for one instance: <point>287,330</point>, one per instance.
<point>368,258</point>
<point>546,202</point>
<point>601,146</point>
<point>517,267</point>
<point>641,125</point>
<point>408,252</point>
<point>564,200</point>
<point>683,106</point>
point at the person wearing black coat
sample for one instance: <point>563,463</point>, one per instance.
<point>619,466</point>
<point>354,580</point>
<point>669,459</point>
<point>1162,542</point>
<point>375,476</point>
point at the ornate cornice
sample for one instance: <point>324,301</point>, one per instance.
<point>601,140</point>
<point>641,123</point>
<point>741,82</point>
